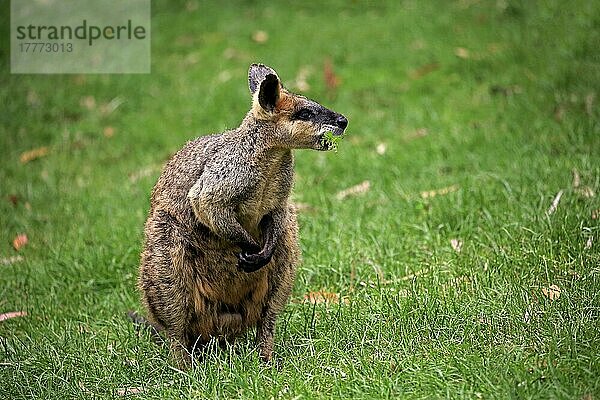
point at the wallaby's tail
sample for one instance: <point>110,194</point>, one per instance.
<point>156,331</point>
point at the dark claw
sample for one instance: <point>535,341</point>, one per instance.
<point>252,262</point>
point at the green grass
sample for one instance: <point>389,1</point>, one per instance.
<point>504,123</point>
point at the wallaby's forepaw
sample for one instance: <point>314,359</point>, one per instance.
<point>252,262</point>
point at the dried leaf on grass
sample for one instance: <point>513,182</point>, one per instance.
<point>456,244</point>
<point>576,179</point>
<point>12,314</point>
<point>260,36</point>
<point>555,202</point>
<point>133,390</point>
<point>423,70</point>
<point>461,52</point>
<point>129,390</point>
<point>585,192</point>
<point>381,149</point>
<point>321,297</point>
<point>419,133</point>
<point>14,199</point>
<point>88,102</point>
<point>439,192</point>
<point>11,260</point>
<point>108,132</point>
<point>332,81</point>
<point>33,154</point>
<point>596,214</point>
<point>19,241</point>
<point>552,292</point>
<point>361,188</point>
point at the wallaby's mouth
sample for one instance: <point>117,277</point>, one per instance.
<point>335,130</point>
<point>329,137</point>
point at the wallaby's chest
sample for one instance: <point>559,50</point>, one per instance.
<point>270,190</point>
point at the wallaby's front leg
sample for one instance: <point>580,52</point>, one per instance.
<point>224,224</point>
<point>220,218</point>
<point>250,262</point>
<point>271,226</point>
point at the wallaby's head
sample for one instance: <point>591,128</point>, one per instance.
<point>298,122</point>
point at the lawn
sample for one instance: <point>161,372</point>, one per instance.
<point>467,267</point>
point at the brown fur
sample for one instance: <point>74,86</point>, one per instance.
<point>208,207</point>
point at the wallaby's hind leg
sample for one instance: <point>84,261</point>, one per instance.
<point>276,299</point>
<point>180,353</point>
<point>165,295</point>
<point>281,280</point>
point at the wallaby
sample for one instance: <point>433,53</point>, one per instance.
<point>221,238</point>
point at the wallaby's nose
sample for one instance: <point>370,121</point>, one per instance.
<point>341,121</point>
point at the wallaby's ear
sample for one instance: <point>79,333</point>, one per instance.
<point>256,74</point>
<point>268,94</point>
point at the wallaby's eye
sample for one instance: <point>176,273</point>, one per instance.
<point>304,114</point>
